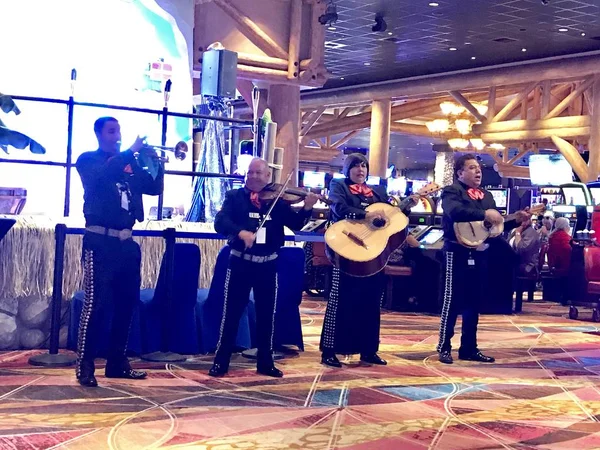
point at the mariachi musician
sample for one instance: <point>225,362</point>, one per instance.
<point>465,268</point>
<point>352,317</point>
<point>252,262</point>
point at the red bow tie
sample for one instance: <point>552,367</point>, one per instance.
<point>475,194</point>
<point>255,200</point>
<point>361,189</point>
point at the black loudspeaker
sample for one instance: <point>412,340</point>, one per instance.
<point>219,73</point>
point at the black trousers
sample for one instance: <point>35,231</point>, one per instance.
<point>243,276</point>
<point>464,276</point>
<point>111,270</point>
<point>352,317</point>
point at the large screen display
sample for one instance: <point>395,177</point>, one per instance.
<point>549,170</point>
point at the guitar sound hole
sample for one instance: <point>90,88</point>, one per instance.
<point>379,222</point>
<point>487,224</point>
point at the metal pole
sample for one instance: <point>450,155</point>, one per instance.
<point>163,140</point>
<point>164,355</point>
<point>53,358</point>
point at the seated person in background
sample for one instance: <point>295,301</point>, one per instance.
<point>526,243</point>
<point>559,254</point>
<point>547,223</point>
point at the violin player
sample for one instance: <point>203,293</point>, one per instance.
<point>252,262</point>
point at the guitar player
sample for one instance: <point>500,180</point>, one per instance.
<point>351,322</point>
<point>464,268</point>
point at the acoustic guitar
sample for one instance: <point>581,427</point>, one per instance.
<point>473,234</point>
<point>361,248</point>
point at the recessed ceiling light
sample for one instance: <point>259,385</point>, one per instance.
<point>473,57</point>
<point>390,33</point>
<point>434,4</point>
<point>563,30</point>
<point>341,78</point>
<point>583,34</point>
<point>367,64</point>
<point>407,157</point>
<point>452,49</point>
<point>467,43</point>
<point>523,49</point>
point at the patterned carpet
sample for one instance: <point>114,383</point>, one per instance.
<point>543,392</point>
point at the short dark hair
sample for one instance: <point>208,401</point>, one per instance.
<point>99,123</point>
<point>352,160</point>
<point>459,164</point>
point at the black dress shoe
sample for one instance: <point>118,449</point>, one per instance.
<point>270,371</point>
<point>218,370</point>
<point>445,357</point>
<point>331,361</point>
<point>373,359</point>
<point>126,373</point>
<point>88,380</point>
<point>477,356</point>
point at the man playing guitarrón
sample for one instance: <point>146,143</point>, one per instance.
<point>464,268</point>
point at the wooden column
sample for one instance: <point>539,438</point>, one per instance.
<point>284,102</point>
<point>594,143</point>
<point>379,147</point>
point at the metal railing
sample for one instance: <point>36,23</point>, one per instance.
<point>164,113</point>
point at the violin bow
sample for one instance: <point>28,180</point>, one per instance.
<point>289,177</point>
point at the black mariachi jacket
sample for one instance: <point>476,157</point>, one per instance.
<point>238,213</point>
<point>104,177</point>
<point>458,206</point>
<point>347,205</point>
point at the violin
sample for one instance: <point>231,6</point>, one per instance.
<point>290,196</point>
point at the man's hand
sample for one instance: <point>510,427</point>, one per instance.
<point>413,200</point>
<point>138,144</point>
<point>310,200</point>
<point>372,215</point>
<point>248,238</point>
<point>493,216</point>
<point>412,241</point>
<point>522,216</point>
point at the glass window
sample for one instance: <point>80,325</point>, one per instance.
<point>44,122</point>
<point>45,187</point>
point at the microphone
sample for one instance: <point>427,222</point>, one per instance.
<point>73,80</point>
<point>167,91</point>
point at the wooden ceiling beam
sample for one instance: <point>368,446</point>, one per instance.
<point>568,100</point>
<point>554,68</point>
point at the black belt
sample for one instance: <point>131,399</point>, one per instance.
<point>254,258</point>
<point>122,235</point>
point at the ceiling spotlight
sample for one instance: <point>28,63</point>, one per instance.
<point>523,49</point>
<point>367,64</point>
<point>452,49</point>
<point>390,33</point>
<point>330,16</point>
<point>341,78</point>
<point>434,4</point>
<point>473,57</point>
<point>563,30</point>
<point>331,28</point>
<point>380,25</point>
<point>583,34</point>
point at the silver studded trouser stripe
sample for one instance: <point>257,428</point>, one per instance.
<point>444,331</point>
<point>329,323</point>
<point>86,312</point>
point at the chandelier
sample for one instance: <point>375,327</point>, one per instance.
<point>456,127</point>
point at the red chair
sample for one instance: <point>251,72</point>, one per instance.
<point>591,256</point>
<point>591,261</point>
